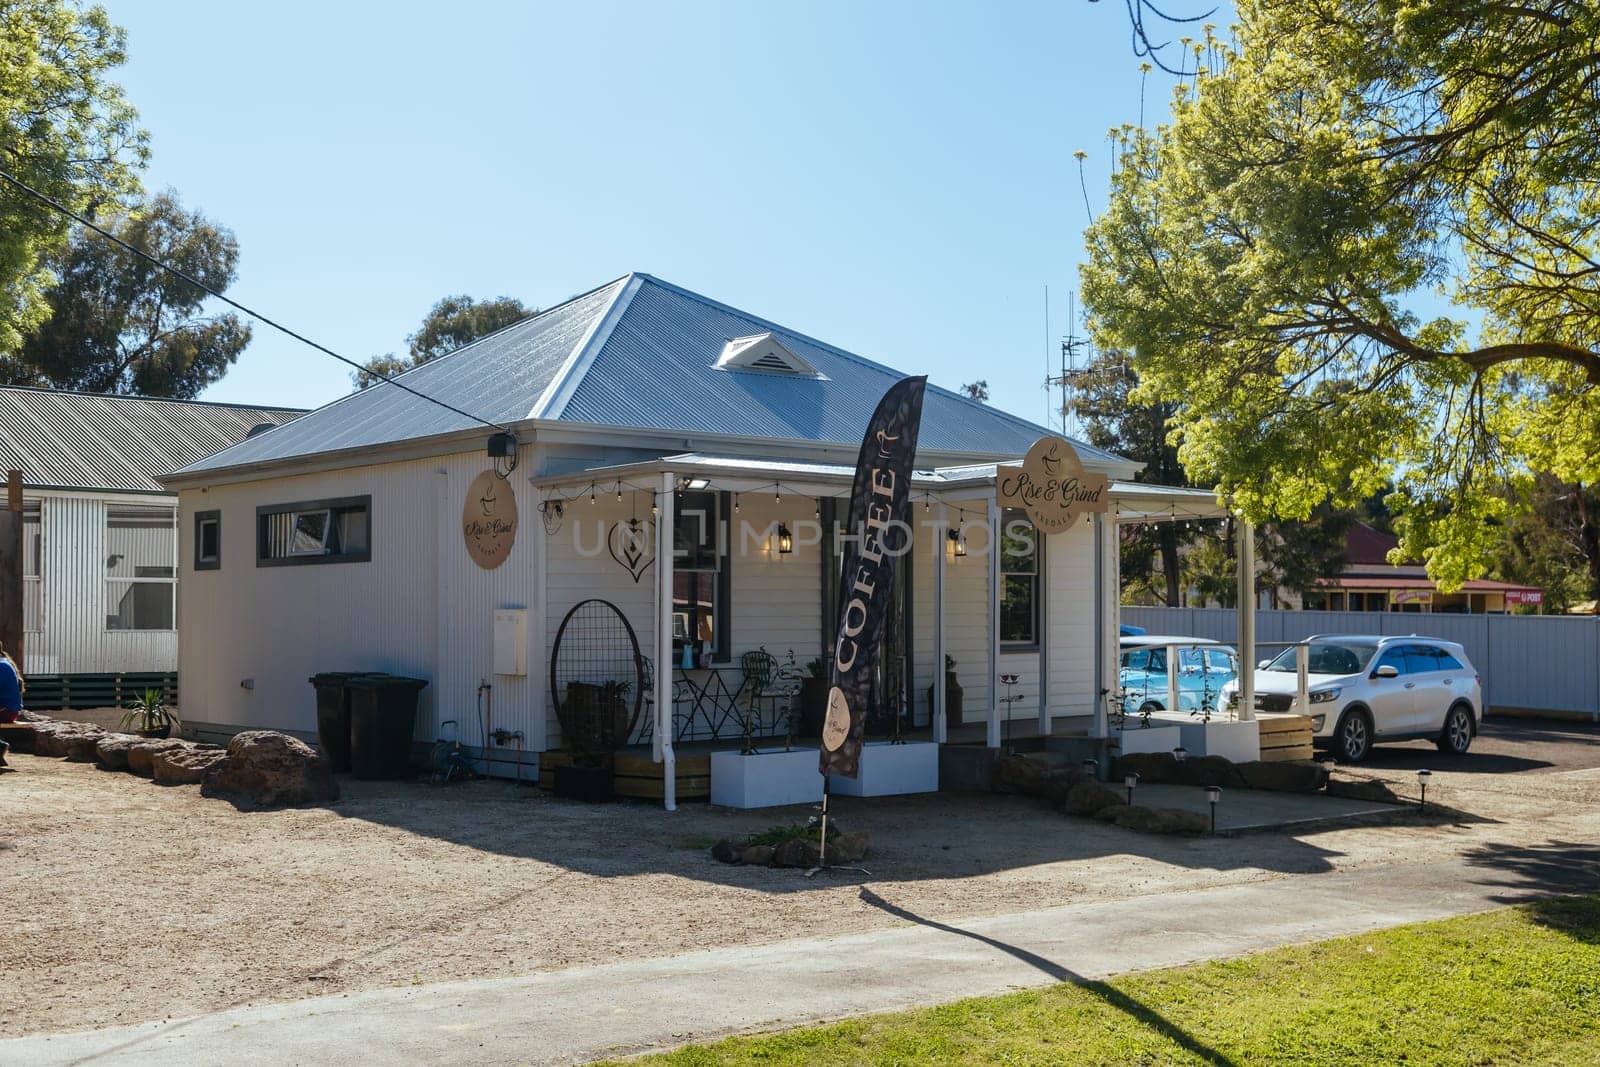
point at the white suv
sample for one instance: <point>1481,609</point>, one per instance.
<point>1364,689</point>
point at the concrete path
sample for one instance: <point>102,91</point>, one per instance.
<point>585,1013</point>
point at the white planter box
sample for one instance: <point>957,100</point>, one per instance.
<point>1239,742</point>
<point>888,770</point>
<point>1152,738</point>
<point>768,778</point>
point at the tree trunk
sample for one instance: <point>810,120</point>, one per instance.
<point>1170,563</point>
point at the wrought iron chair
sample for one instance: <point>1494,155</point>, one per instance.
<point>759,669</point>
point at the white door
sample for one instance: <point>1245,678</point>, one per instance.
<point>1436,687</point>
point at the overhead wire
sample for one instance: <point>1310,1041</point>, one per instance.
<point>56,205</point>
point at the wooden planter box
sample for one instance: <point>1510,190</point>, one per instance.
<point>768,778</point>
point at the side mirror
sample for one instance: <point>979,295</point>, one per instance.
<point>1387,670</point>
<point>1263,664</point>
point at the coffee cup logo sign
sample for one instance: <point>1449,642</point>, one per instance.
<point>489,520</point>
<point>1052,487</point>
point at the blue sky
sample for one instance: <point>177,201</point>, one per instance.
<point>893,178</point>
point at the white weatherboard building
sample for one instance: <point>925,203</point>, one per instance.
<point>664,446</point>
<point>100,533</point>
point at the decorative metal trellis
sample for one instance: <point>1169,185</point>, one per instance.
<point>597,678</point>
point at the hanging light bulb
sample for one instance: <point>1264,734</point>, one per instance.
<point>777,494</point>
<point>736,503</point>
<point>619,492</point>
<point>591,492</point>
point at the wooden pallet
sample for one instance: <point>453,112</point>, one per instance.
<point>635,775</point>
<point>1284,737</point>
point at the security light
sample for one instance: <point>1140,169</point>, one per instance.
<point>785,540</point>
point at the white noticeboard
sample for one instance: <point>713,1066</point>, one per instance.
<point>511,641</point>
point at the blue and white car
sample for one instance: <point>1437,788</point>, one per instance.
<point>1204,668</point>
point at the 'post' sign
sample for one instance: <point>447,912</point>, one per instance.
<point>1051,486</point>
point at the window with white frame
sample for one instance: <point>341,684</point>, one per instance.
<point>32,567</point>
<point>314,531</point>
<point>141,567</point>
<point>1021,548</point>
<point>207,540</point>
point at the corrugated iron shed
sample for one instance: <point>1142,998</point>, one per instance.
<point>64,440</point>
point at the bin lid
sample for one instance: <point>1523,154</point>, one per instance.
<point>384,681</point>
<point>333,677</point>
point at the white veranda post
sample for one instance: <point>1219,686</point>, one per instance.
<point>940,540</point>
<point>993,740</point>
<point>1246,559</point>
<point>663,724</point>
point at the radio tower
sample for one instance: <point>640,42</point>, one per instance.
<point>1072,348</point>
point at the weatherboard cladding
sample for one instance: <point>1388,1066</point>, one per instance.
<point>124,443</point>
<point>655,368</point>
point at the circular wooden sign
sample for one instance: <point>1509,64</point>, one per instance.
<point>1052,486</point>
<point>489,520</point>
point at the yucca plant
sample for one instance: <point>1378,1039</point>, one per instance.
<point>150,716</point>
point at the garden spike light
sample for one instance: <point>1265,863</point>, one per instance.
<point>1422,781</point>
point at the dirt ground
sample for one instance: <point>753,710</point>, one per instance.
<point>128,901</point>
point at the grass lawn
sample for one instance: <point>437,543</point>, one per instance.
<point>1516,986</point>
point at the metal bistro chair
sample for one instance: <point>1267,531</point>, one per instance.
<point>647,673</point>
<point>759,669</point>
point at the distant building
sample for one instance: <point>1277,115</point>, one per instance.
<point>1369,582</point>
<point>100,534</point>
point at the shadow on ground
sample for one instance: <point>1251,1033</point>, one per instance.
<point>1533,871</point>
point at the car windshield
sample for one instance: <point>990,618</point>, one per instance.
<point>1328,657</point>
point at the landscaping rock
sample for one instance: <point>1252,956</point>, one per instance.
<point>1158,820</point>
<point>142,753</point>
<point>111,750</point>
<point>32,716</point>
<point>1153,768</point>
<point>1289,776</point>
<point>55,738</point>
<point>272,769</point>
<point>795,852</point>
<point>80,747</point>
<point>723,851</point>
<point>1088,798</point>
<point>756,855</point>
<point>1020,775</point>
<point>1208,770</point>
<point>185,764</point>
<point>1363,789</point>
<point>848,848</point>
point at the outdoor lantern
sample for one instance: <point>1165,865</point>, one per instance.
<point>785,540</point>
<point>1213,796</point>
<point>1091,767</point>
<point>1180,753</point>
<point>1422,781</point>
<point>1130,781</point>
<point>959,542</point>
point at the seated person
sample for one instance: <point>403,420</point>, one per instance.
<point>11,687</point>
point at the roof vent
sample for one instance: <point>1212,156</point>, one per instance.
<point>763,352</point>
<point>260,428</point>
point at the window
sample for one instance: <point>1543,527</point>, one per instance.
<point>207,540</point>
<point>1393,656</point>
<point>1020,550</point>
<point>141,567</point>
<point>701,580</point>
<point>1447,662</point>
<point>1422,659</point>
<point>313,531</point>
<point>32,568</point>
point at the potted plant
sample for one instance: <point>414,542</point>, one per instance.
<point>952,695</point>
<point>149,716</point>
<point>813,698</point>
<point>594,713</point>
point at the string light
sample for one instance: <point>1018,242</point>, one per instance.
<point>591,492</point>
<point>736,503</point>
<point>777,493</point>
<point>619,490</point>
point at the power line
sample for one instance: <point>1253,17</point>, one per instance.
<point>142,254</point>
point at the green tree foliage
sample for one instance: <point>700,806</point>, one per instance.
<point>1552,540</point>
<point>120,324</point>
<point>451,323</point>
<point>1332,178</point>
<point>978,390</point>
<point>65,130</point>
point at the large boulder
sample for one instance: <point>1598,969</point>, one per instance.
<point>1020,775</point>
<point>1153,768</point>
<point>271,769</point>
<point>55,738</point>
<point>1208,770</point>
<point>1090,797</point>
<point>80,747</point>
<point>1287,776</point>
<point>797,852</point>
<point>848,848</point>
<point>111,750</point>
<point>185,764</point>
<point>142,754</point>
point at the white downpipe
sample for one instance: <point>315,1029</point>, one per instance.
<point>1041,561</point>
<point>994,624</point>
<point>1102,629</point>
<point>1174,666</point>
<point>1246,558</point>
<point>667,758</point>
<point>941,732</point>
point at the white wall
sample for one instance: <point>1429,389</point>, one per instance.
<point>419,607</point>
<point>74,638</point>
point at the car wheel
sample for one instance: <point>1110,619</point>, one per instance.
<point>1456,737</point>
<point>1353,739</point>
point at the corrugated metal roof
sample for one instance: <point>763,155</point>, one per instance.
<point>498,378</point>
<point>657,369</point>
<point>639,353</point>
<point>94,441</point>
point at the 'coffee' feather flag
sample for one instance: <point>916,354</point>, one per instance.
<point>880,505</point>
